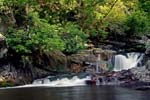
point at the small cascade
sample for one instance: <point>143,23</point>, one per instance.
<point>127,61</point>
<point>96,67</point>
<point>63,80</point>
<point>98,63</point>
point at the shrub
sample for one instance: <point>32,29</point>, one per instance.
<point>40,35</point>
<point>74,38</point>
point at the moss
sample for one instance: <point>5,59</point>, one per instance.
<point>6,84</point>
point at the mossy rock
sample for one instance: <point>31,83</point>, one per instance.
<point>6,84</point>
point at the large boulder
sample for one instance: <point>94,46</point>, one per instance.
<point>78,62</point>
<point>54,60</point>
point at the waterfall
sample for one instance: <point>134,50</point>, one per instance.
<point>74,81</point>
<point>98,63</point>
<point>59,81</point>
<point>127,61</point>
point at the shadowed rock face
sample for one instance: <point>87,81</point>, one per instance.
<point>25,71</point>
<point>17,71</point>
<point>9,75</point>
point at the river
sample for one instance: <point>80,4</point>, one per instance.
<point>73,93</point>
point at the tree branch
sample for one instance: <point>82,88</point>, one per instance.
<point>112,6</point>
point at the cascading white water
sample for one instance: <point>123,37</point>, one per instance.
<point>74,81</point>
<point>63,82</point>
<point>128,61</point>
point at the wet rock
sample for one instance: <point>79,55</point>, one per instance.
<point>147,52</point>
<point>137,85</point>
<point>9,75</point>
<point>16,70</point>
<point>147,65</point>
<point>76,68</point>
<point>147,35</point>
<point>77,62</point>
<point>104,53</point>
<point>85,58</point>
<point>55,60</point>
<point>141,73</point>
<point>82,57</point>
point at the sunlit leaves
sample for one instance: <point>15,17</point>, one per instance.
<point>64,24</point>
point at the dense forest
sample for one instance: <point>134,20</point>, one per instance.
<point>67,25</point>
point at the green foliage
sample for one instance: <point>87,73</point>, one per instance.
<point>65,25</point>
<point>137,24</point>
<point>145,4</point>
<point>74,38</point>
<point>6,83</point>
<point>98,33</point>
<point>40,36</point>
<point>16,40</point>
<point>43,36</point>
<point>43,26</point>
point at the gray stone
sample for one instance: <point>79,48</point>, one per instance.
<point>141,73</point>
<point>147,65</point>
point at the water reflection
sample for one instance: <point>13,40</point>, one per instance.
<point>73,93</point>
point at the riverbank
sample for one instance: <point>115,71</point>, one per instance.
<point>17,70</point>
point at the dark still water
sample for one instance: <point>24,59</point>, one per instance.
<point>73,93</point>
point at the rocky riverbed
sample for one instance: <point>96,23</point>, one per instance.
<point>41,65</point>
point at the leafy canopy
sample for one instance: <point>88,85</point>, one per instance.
<point>66,25</point>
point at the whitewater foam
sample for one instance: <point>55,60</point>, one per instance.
<point>128,61</point>
<point>64,82</point>
<point>74,81</point>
